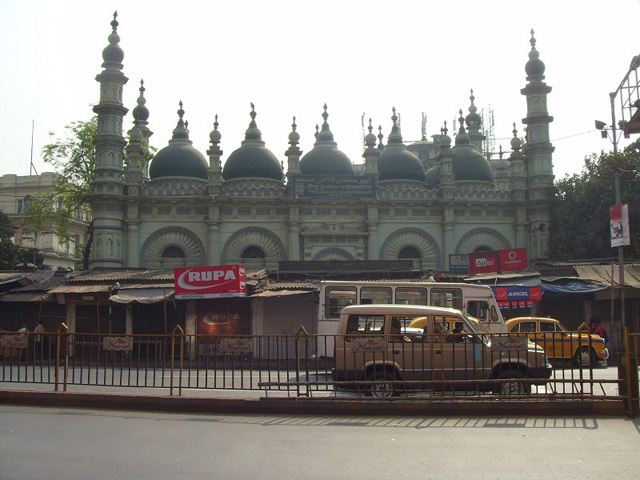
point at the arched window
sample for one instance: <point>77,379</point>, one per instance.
<point>173,257</point>
<point>254,258</point>
<point>411,253</point>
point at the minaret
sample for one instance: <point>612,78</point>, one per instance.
<point>474,125</point>
<point>538,148</point>
<point>214,172</point>
<point>538,152</point>
<point>293,153</point>
<point>107,199</point>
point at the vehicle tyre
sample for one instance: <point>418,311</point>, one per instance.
<point>582,358</point>
<point>514,387</point>
<point>380,389</point>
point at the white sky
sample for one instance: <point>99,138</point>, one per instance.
<point>290,57</point>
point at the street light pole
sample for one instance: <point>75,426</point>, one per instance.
<point>616,183</point>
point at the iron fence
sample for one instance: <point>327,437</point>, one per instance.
<point>427,366</point>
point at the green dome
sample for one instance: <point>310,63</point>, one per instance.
<point>325,158</point>
<point>178,161</point>
<point>470,165</point>
<point>179,158</point>
<point>252,159</point>
<point>431,178</point>
<point>396,162</point>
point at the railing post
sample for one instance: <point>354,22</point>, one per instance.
<point>62,329</point>
<point>301,331</point>
<point>177,331</point>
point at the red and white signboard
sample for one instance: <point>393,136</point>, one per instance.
<point>513,259</point>
<point>483,262</point>
<point>210,282</point>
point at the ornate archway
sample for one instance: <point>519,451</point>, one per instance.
<point>172,247</point>
<point>253,239</point>
<point>421,247</point>
<point>482,239</point>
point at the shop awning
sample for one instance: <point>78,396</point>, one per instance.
<point>603,274</point>
<point>279,293</point>
<point>573,287</point>
<point>26,297</point>
<point>142,295</point>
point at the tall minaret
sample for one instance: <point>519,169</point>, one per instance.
<point>107,199</point>
<point>538,152</point>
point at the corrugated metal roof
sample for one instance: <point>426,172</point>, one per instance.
<point>609,275</point>
<point>27,297</point>
<point>80,289</point>
<point>122,275</point>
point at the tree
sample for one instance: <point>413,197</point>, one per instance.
<point>7,248</point>
<point>73,157</point>
<point>580,208</point>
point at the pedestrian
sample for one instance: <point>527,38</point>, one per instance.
<point>38,337</point>
<point>596,328</point>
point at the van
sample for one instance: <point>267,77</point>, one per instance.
<point>473,299</point>
<point>377,347</point>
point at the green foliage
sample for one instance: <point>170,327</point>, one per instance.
<point>73,157</point>
<point>580,208</point>
<point>7,248</point>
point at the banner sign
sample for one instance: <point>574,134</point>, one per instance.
<point>516,294</point>
<point>326,186</point>
<point>14,340</point>
<point>513,259</point>
<point>459,263</point>
<point>210,282</point>
<point>117,344</point>
<point>619,222</point>
<point>483,262</point>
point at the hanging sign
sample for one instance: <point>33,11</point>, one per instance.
<point>210,282</point>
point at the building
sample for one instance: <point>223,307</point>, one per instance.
<point>425,201</point>
<point>16,192</point>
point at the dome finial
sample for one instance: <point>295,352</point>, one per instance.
<point>113,53</point>
<point>253,132</point>
<point>380,137</point>
<point>370,138</point>
<point>140,112</point>
<point>516,143</point>
<point>325,115</point>
<point>294,137</point>
<point>215,135</point>
<point>181,130</point>
<point>394,136</point>
<point>533,40</point>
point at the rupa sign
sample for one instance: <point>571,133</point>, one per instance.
<point>210,282</point>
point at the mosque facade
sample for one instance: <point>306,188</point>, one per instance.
<point>426,201</point>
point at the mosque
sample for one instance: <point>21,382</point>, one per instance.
<point>427,202</point>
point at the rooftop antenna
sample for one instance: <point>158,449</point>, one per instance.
<point>364,142</point>
<point>424,126</point>
<point>32,167</point>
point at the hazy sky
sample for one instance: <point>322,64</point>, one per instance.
<point>291,57</point>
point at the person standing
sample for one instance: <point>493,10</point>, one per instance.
<point>38,337</point>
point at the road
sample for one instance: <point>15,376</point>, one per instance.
<point>52,443</point>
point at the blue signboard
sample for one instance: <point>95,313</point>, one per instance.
<point>459,263</point>
<point>326,186</point>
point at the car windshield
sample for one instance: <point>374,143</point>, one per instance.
<point>474,326</point>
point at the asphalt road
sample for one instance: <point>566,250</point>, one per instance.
<point>52,443</point>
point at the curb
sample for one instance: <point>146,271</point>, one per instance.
<point>311,406</point>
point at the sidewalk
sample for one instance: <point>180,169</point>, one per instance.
<point>280,403</point>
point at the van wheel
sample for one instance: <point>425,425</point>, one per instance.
<point>582,357</point>
<point>514,386</point>
<point>381,389</point>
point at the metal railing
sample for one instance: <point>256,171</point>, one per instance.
<point>426,366</point>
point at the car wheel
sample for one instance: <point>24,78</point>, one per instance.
<point>383,388</point>
<point>513,387</point>
<point>583,357</point>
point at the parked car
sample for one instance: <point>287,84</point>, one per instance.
<point>583,349</point>
<point>378,345</point>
